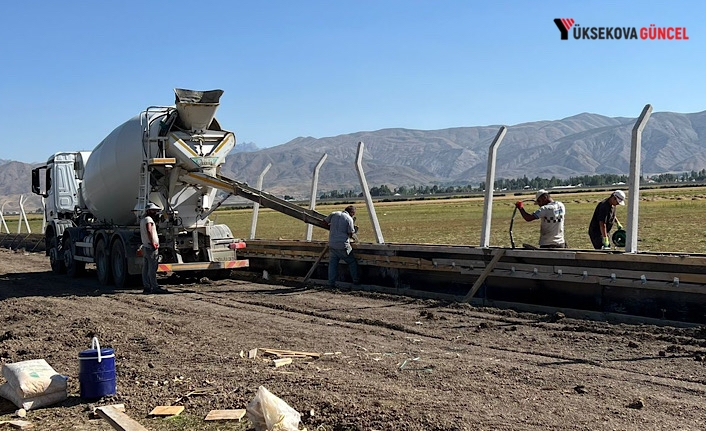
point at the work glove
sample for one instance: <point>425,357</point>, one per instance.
<point>606,243</point>
<point>620,227</point>
<point>155,245</point>
<point>519,205</point>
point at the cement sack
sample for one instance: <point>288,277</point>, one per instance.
<point>33,378</point>
<point>31,403</point>
<point>269,413</point>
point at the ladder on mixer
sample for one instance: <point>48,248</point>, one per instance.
<point>149,159</point>
<point>144,188</point>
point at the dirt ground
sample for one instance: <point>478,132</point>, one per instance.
<point>387,362</point>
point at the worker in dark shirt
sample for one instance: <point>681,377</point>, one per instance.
<point>603,219</point>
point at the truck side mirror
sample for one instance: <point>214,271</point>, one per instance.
<point>37,181</point>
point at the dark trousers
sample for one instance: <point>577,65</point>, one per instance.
<point>335,256</point>
<point>150,260</point>
<point>597,242</point>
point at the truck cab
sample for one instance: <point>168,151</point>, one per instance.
<point>58,183</point>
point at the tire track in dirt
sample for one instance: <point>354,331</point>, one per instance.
<point>216,298</point>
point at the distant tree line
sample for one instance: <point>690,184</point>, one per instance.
<point>678,178</point>
<point>516,184</point>
<point>544,183</point>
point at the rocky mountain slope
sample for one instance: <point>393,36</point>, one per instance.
<point>583,144</point>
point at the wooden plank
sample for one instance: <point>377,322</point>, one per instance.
<point>118,407</point>
<point>282,353</point>
<point>220,415</point>
<point>528,275</point>
<point>658,259</point>
<point>18,424</point>
<point>316,263</point>
<point>496,258</point>
<point>459,262</point>
<point>653,285</point>
<point>622,273</point>
<point>583,314</point>
<point>166,410</point>
<point>547,253</point>
<point>119,420</point>
<point>526,267</point>
<point>280,252</point>
<point>282,362</point>
<point>424,248</point>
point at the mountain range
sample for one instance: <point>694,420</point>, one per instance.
<point>584,144</point>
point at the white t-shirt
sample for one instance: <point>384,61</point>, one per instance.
<point>143,231</point>
<point>552,229</point>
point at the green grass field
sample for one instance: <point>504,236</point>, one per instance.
<point>670,221</point>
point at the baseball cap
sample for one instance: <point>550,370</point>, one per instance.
<point>152,206</point>
<point>540,192</point>
<point>620,196</point>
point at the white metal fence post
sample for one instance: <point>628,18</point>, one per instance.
<point>314,187</point>
<point>489,185</point>
<point>633,197</point>
<point>366,194</point>
<point>256,206</point>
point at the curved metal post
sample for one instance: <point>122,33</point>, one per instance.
<point>366,194</point>
<point>489,185</point>
<point>314,187</point>
<point>633,199</point>
<point>256,206</point>
<point>23,216</point>
<point>2,219</point>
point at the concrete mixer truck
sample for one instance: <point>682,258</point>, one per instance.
<point>170,156</point>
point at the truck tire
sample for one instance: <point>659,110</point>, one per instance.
<point>119,264</point>
<point>105,275</point>
<point>56,258</point>
<point>74,268</point>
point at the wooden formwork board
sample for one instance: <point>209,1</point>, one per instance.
<point>652,285</point>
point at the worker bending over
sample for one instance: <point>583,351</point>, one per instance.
<point>551,212</point>
<point>603,219</point>
<point>342,230</point>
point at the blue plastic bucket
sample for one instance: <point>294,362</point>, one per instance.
<point>96,373</point>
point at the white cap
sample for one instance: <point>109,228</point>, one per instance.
<point>620,196</point>
<point>152,206</point>
<point>540,192</point>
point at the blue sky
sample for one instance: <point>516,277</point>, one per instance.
<point>75,70</point>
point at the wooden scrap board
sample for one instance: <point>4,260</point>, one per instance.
<point>18,424</point>
<point>217,415</point>
<point>288,353</point>
<point>166,410</point>
<point>119,420</point>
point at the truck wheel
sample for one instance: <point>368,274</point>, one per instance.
<point>56,258</point>
<point>74,268</point>
<point>119,261</point>
<point>105,275</point>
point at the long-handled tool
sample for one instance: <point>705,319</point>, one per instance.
<point>512,222</point>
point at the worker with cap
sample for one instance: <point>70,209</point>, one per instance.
<point>150,250</point>
<point>551,212</point>
<point>603,219</point>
